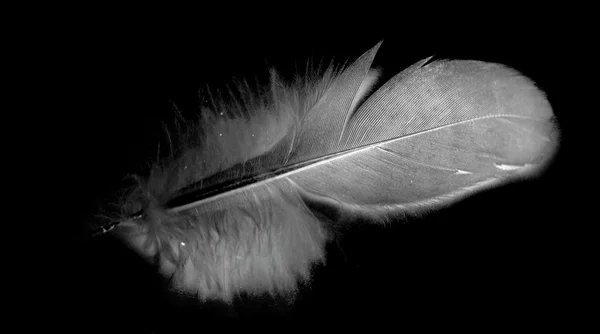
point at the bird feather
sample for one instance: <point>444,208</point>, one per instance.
<point>237,206</point>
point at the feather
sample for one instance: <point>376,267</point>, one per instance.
<point>254,190</point>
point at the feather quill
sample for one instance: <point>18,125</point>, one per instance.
<point>233,209</point>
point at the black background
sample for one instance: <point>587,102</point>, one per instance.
<point>495,258</point>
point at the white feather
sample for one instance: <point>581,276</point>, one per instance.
<point>242,183</point>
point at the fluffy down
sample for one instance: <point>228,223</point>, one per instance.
<point>263,244</point>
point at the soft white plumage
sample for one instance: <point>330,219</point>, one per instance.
<point>231,212</point>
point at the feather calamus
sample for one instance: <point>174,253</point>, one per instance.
<point>232,210</point>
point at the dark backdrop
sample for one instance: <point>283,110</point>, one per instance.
<point>495,256</point>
